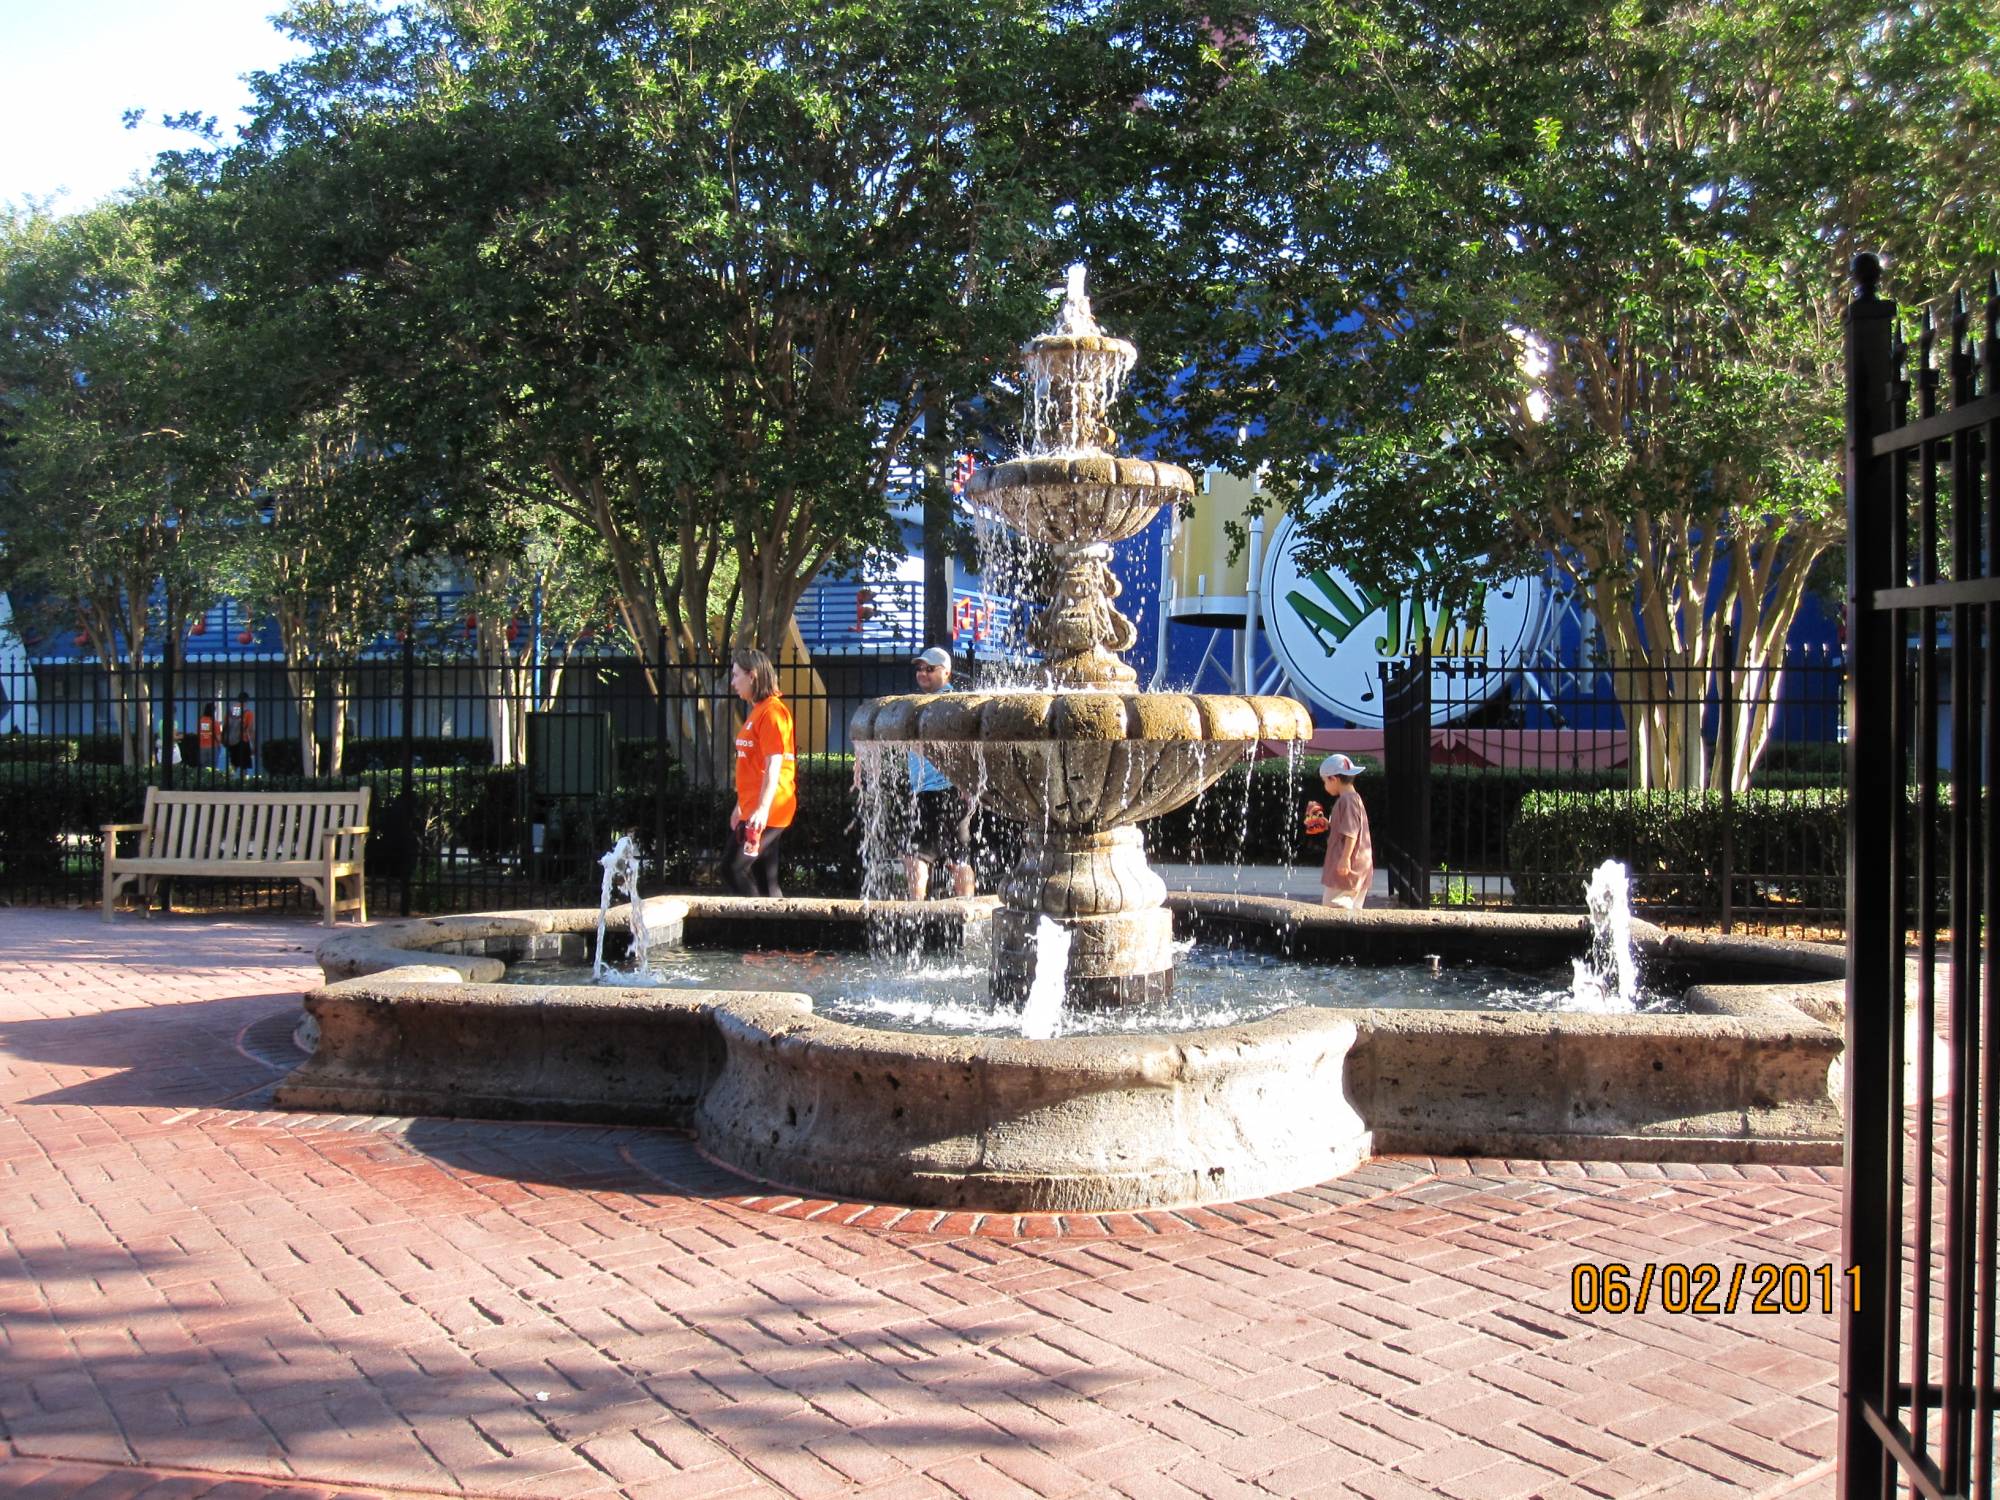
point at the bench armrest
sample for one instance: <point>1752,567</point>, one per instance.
<point>121,827</point>
<point>355,830</point>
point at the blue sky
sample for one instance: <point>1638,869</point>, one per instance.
<point>70,68</point>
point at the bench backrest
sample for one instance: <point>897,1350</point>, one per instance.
<point>258,826</point>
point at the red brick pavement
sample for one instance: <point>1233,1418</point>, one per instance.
<point>200,1296</point>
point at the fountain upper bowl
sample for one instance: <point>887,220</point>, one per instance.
<point>1081,498</point>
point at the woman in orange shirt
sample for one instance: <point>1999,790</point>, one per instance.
<point>766,777</point>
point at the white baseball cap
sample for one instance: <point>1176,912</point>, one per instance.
<point>933,656</point>
<point>1337,764</point>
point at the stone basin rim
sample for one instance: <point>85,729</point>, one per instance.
<point>404,951</point>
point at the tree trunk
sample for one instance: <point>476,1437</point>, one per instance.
<point>343,693</point>
<point>503,677</point>
<point>305,695</point>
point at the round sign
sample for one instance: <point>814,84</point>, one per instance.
<point>1332,635</point>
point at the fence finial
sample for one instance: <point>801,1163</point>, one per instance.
<point>1866,269</point>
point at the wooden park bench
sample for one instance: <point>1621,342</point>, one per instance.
<point>316,838</point>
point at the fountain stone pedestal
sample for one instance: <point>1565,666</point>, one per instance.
<point>1083,759</point>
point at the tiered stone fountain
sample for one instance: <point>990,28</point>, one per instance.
<point>410,1022</point>
<point>1081,760</point>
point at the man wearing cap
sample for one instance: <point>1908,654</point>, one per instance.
<point>1350,853</point>
<point>943,830</point>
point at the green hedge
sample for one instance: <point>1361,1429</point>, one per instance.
<point>1472,809</point>
<point>39,749</point>
<point>1254,813</point>
<point>1672,844</point>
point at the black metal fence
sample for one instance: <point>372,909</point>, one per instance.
<point>1921,1334</point>
<point>497,783</point>
<point>1507,780</point>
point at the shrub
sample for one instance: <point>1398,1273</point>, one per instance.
<point>1814,758</point>
<point>39,749</point>
<point>1473,807</point>
<point>1672,844</point>
<point>32,825</point>
<point>385,752</point>
<point>280,757</point>
<point>1253,812</point>
<point>100,750</point>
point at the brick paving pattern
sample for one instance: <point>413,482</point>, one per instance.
<point>202,1296</point>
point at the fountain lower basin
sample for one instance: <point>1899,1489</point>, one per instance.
<point>411,1022</point>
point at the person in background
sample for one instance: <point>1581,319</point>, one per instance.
<point>943,830</point>
<point>208,739</point>
<point>1350,852</point>
<point>766,777</point>
<point>239,734</point>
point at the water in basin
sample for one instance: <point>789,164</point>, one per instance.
<point>945,993</point>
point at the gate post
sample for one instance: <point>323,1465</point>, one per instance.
<point>1870,1238</point>
<point>1406,777</point>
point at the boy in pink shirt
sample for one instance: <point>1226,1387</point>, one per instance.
<point>1350,853</point>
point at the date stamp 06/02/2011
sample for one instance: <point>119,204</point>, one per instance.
<point>1704,1288</point>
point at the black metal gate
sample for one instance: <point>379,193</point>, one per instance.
<point>1923,1097</point>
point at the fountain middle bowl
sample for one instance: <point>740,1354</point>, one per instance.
<point>410,1023</point>
<point>1079,499</point>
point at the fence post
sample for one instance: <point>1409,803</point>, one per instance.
<point>660,742</point>
<point>1725,754</point>
<point>412,843</point>
<point>169,727</point>
<point>1871,1237</point>
<point>1406,777</point>
<point>1417,755</point>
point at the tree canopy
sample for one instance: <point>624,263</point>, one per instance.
<point>1574,301</point>
<point>688,275</point>
<point>102,496</point>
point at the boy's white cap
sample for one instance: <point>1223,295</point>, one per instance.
<point>1337,764</point>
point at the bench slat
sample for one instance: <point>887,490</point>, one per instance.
<point>273,868</point>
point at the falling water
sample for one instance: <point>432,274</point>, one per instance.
<point>1608,979</point>
<point>1041,1012</point>
<point>1010,565</point>
<point>621,870</point>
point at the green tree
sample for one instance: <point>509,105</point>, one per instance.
<point>105,493</point>
<point>1575,293</point>
<point>685,275</point>
<point>330,552</point>
<point>540,586</point>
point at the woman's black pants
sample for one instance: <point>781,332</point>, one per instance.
<point>756,876</point>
